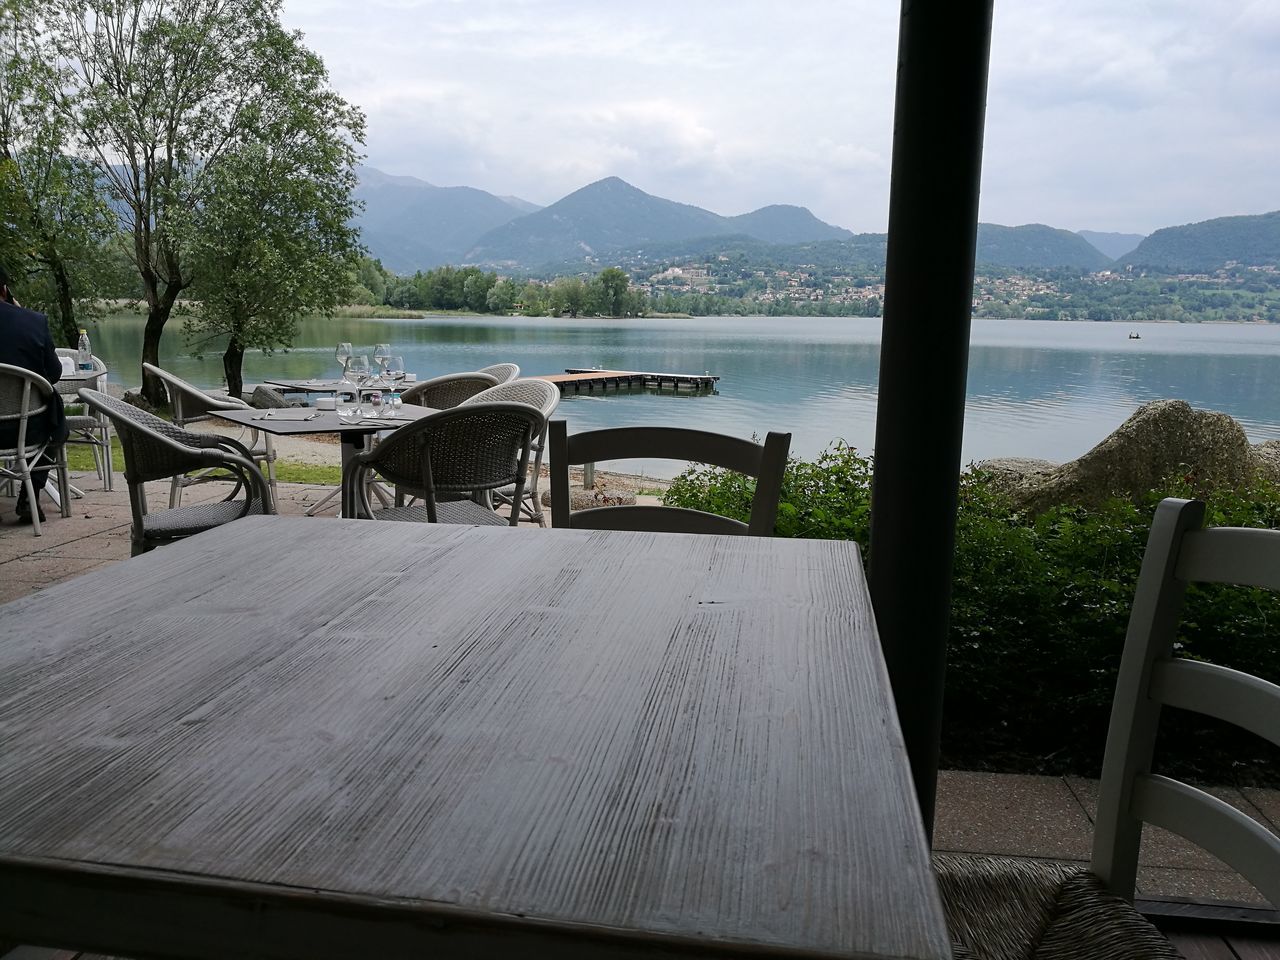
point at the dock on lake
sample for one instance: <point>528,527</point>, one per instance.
<point>577,379</point>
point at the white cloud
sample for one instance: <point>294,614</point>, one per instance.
<point>1100,115</point>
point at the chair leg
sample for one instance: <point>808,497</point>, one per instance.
<point>64,481</point>
<point>108,466</point>
<point>175,493</point>
<point>31,498</point>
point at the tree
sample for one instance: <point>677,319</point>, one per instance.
<point>55,221</point>
<point>568,295</point>
<point>272,241</point>
<point>502,296</point>
<point>613,283</point>
<point>157,94</point>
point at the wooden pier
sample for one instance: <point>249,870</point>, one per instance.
<point>577,379</point>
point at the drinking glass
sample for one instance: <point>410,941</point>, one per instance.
<point>394,369</point>
<point>358,373</point>
<point>381,354</point>
<point>343,354</point>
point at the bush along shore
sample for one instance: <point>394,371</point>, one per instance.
<point>1040,606</point>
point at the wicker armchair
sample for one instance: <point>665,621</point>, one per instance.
<point>191,405</point>
<point>502,372</point>
<point>23,395</point>
<point>90,429</point>
<point>443,393</point>
<point>545,396</point>
<point>468,450</point>
<point>155,449</point>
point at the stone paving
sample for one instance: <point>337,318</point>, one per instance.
<point>1015,815</point>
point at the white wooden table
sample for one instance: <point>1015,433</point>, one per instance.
<point>404,740</point>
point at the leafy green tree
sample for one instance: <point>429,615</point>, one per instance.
<point>502,296</point>
<point>614,283</point>
<point>55,221</point>
<point>272,239</point>
<point>568,295</point>
<point>373,276</point>
<point>157,93</point>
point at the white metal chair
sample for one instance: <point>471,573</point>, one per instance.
<point>545,396</point>
<point>502,372</point>
<point>91,429</point>
<point>156,449</point>
<point>765,462</point>
<point>192,405</point>
<point>1020,909</point>
<point>468,450</point>
<point>23,396</point>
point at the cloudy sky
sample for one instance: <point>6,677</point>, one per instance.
<point>1101,115</point>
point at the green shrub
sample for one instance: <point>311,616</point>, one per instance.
<point>1039,613</point>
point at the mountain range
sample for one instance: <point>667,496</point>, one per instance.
<point>410,224</point>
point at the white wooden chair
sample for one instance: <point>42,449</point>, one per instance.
<point>1179,552</point>
<point>766,463</point>
<point>1002,908</point>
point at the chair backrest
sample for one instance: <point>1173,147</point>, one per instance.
<point>154,449</point>
<point>502,372</point>
<point>191,404</point>
<point>479,446</point>
<point>443,393</point>
<point>1179,552</point>
<point>23,394</point>
<point>765,462</point>
<point>536,393</point>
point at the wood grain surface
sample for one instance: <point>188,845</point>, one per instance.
<point>327,738</point>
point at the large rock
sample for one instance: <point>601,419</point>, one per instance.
<point>1266,456</point>
<point>1162,439</point>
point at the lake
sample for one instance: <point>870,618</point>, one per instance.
<point>1049,389</point>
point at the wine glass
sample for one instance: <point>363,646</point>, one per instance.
<point>381,354</point>
<point>343,354</point>
<point>358,373</point>
<point>394,367</point>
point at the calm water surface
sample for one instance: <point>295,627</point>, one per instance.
<point>1036,389</point>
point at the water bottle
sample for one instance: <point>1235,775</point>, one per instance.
<point>84,352</point>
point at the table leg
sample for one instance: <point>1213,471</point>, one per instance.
<point>352,443</point>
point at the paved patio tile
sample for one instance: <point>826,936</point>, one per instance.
<point>1012,815</point>
<point>1223,885</point>
<point>1267,803</point>
<point>1160,848</point>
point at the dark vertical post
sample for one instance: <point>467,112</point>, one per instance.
<point>943,51</point>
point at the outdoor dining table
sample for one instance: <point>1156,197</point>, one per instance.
<point>298,421</point>
<point>402,740</point>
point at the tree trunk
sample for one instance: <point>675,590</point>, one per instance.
<point>153,387</point>
<point>233,366</point>
<point>66,305</point>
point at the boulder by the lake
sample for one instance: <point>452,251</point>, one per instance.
<point>1162,439</point>
<point>1266,457</point>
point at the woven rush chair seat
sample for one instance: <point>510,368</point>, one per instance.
<point>1006,908</point>
<point>546,397</point>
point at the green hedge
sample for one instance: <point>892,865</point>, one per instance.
<point>1039,612</point>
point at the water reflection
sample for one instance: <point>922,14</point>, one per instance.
<point>1048,390</point>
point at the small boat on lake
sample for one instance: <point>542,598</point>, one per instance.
<point>1134,336</point>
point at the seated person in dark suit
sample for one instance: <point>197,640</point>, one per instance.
<point>25,342</point>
